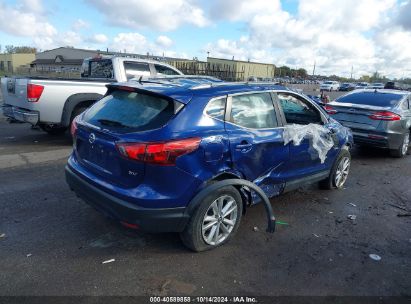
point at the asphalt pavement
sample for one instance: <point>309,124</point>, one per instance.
<point>51,243</point>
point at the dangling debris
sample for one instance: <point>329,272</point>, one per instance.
<point>319,137</point>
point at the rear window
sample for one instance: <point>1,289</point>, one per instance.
<point>101,69</point>
<point>130,111</point>
<point>371,98</point>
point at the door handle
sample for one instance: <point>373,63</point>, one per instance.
<point>244,147</point>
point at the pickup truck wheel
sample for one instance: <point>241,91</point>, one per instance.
<point>53,130</point>
<point>403,148</point>
<point>77,111</point>
<point>339,172</point>
<point>215,221</point>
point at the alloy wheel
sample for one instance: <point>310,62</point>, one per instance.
<point>342,172</point>
<point>219,220</point>
<point>405,144</point>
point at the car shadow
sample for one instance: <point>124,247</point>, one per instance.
<point>25,135</point>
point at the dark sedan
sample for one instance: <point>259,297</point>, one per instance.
<point>347,87</point>
<point>380,118</point>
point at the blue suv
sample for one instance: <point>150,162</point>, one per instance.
<point>147,150</point>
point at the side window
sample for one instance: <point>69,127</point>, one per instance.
<point>136,69</point>
<point>406,104</point>
<point>298,111</point>
<point>254,111</point>
<point>216,108</point>
<point>163,70</point>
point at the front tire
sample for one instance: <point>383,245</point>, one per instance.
<point>215,220</point>
<point>339,171</point>
<point>403,148</point>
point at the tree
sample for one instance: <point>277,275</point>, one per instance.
<point>284,71</point>
<point>302,73</point>
<point>365,78</point>
<point>11,49</point>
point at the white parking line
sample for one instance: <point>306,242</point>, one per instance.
<point>15,160</point>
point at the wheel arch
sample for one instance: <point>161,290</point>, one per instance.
<point>245,194</point>
<point>75,100</point>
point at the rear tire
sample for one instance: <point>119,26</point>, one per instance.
<point>53,129</point>
<point>403,148</point>
<point>215,220</point>
<point>339,172</point>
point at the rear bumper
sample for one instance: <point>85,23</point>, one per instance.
<point>20,114</point>
<point>382,140</point>
<point>150,220</point>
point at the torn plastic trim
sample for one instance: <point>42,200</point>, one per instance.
<point>319,137</point>
<point>197,200</point>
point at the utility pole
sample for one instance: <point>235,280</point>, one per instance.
<point>314,69</point>
<point>351,71</point>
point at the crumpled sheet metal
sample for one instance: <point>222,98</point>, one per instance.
<point>318,136</point>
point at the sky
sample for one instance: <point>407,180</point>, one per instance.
<point>364,36</point>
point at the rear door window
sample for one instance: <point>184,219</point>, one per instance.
<point>253,111</point>
<point>136,69</point>
<point>130,111</point>
<point>404,105</point>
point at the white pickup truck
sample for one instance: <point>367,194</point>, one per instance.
<point>52,103</point>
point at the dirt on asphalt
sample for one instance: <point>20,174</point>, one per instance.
<point>51,243</point>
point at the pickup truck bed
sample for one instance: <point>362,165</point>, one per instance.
<point>52,103</point>
<point>60,94</point>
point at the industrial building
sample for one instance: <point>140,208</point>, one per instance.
<point>70,59</point>
<point>9,63</point>
<point>246,69</point>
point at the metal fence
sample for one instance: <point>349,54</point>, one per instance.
<point>25,71</point>
<point>222,71</point>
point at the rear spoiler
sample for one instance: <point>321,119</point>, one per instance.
<point>171,94</point>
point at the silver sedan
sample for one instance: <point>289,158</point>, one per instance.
<point>380,118</point>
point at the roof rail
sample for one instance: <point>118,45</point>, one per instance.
<point>217,84</point>
<point>142,81</point>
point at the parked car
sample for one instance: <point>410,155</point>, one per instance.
<point>361,85</point>
<point>144,152</point>
<point>316,99</point>
<point>376,85</point>
<point>377,118</point>
<point>347,86</point>
<point>52,103</point>
<point>393,85</point>
<point>330,86</point>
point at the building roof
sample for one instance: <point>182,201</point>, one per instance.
<point>105,52</point>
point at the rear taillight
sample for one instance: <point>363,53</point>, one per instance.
<point>163,153</point>
<point>73,127</point>
<point>34,92</point>
<point>385,115</point>
<point>329,109</point>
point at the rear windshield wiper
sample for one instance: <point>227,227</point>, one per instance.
<point>108,122</point>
